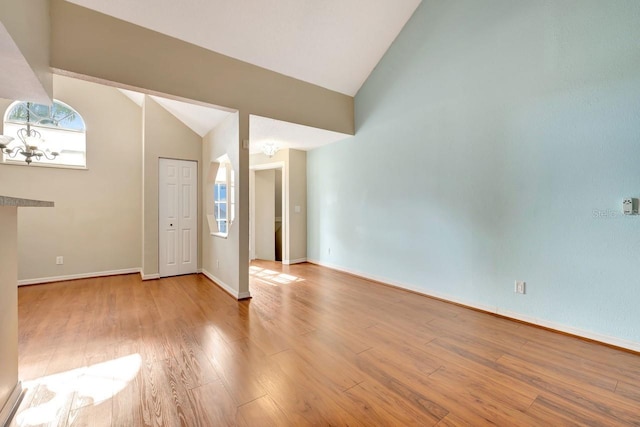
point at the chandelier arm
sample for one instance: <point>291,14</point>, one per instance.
<point>12,153</point>
<point>44,153</point>
<point>28,153</point>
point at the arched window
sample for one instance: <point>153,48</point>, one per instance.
<point>60,129</point>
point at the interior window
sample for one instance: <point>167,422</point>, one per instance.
<point>220,202</point>
<point>223,190</point>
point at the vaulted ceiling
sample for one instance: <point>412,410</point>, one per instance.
<point>334,44</point>
<point>331,43</point>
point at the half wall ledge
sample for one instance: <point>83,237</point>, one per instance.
<point>18,202</point>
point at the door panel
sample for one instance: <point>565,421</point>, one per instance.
<point>186,246</point>
<point>189,217</point>
<point>171,247</point>
<point>172,200</point>
<point>178,222</point>
<point>186,205</point>
<point>167,218</point>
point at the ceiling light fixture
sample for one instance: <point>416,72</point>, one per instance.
<point>270,148</point>
<point>32,146</point>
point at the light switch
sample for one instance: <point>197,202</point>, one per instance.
<point>297,209</point>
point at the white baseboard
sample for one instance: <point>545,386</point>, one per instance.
<point>156,276</point>
<point>228,289</point>
<point>77,276</point>
<point>293,261</point>
<point>594,336</point>
<point>11,404</point>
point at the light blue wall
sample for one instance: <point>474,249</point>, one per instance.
<point>495,141</point>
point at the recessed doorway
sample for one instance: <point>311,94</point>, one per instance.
<point>178,217</point>
<point>268,214</point>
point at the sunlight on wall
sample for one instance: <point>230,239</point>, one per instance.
<point>89,385</point>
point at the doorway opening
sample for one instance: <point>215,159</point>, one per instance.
<point>268,216</point>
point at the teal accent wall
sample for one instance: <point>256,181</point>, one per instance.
<point>495,142</point>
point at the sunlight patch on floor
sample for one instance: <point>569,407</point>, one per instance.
<point>89,385</point>
<point>273,278</point>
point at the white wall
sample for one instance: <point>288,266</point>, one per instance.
<point>8,302</point>
<point>264,210</point>
<point>221,256</point>
<point>97,216</point>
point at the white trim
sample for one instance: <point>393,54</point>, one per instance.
<point>265,166</point>
<point>156,276</point>
<point>11,404</point>
<point>606,339</point>
<point>244,295</point>
<point>294,261</point>
<point>225,287</point>
<point>12,162</point>
<point>595,336</point>
<point>77,276</point>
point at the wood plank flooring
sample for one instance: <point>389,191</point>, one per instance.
<point>313,347</point>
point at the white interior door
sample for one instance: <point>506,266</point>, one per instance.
<point>265,214</point>
<point>178,217</point>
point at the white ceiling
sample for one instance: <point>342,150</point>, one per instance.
<point>262,130</point>
<point>136,97</point>
<point>288,135</point>
<point>198,118</point>
<point>331,43</point>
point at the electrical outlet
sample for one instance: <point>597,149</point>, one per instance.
<point>630,206</point>
<point>521,287</point>
<point>329,251</point>
<point>218,263</point>
<point>59,260</point>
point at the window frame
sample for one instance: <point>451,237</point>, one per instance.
<point>218,202</point>
<point>220,225</point>
<point>45,129</point>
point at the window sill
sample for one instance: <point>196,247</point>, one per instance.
<point>221,235</point>
<point>43,165</point>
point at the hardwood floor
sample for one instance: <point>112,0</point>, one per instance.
<point>313,347</point>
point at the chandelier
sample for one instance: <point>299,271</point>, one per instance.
<point>270,149</point>
<point>31,143</point>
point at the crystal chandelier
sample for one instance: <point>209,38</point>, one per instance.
<point>270,148</point>
<point>31,143</point>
